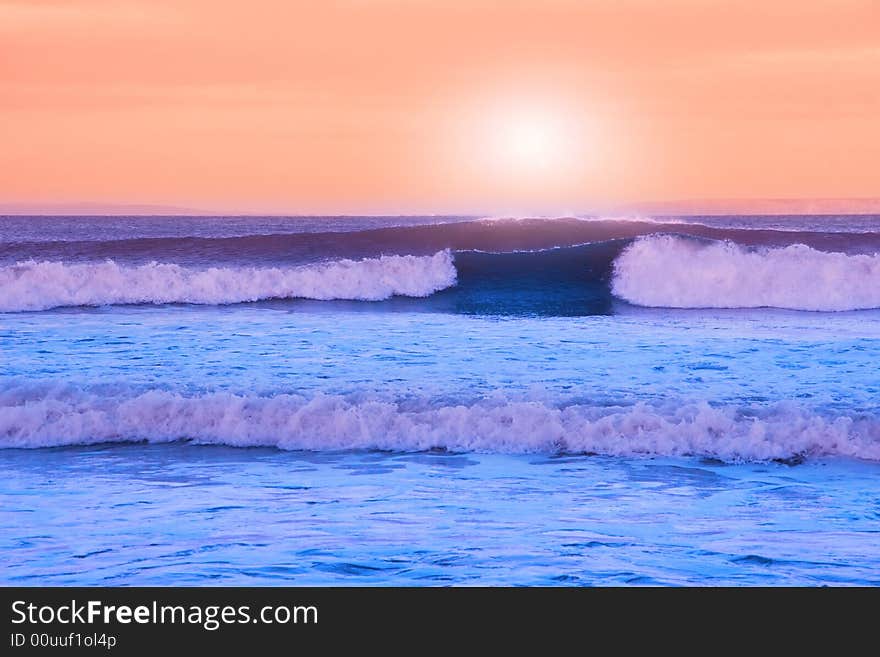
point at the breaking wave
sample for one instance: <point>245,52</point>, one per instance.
<point>35,285</point>
<point>675,272</point>
<point>514,268</point>
<point>44,416</point>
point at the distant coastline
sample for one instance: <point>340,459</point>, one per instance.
<point>768,206</point>
<point>92,209</point>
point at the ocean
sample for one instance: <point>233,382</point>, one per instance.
<point>440,400</point>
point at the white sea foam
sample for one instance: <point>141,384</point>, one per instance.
<point>675,272</point>
<point>40,285</point>
<point>39,416</point>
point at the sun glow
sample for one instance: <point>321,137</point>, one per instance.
<point>531,141</point>
<point>528,152</point>
<point>534,147</point>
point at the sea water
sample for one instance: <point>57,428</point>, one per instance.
<point>428,401</point>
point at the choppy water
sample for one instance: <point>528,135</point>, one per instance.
<point>196,515</point>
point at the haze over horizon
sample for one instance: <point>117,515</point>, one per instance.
<point>351,107</point>
<point>805,206</point>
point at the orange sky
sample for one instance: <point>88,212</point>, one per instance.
<point>348,106</point>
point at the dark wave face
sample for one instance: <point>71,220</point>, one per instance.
<point>309,247</point>
<point>566,282</point>
<point>565,267</point>
<point>312,245</point>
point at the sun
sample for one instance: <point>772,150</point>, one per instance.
<point>525,151</point>
<point>530,140</point>
<point>532,143</point>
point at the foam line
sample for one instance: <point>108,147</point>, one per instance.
<point>44,416</point>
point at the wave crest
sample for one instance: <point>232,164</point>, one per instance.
<point>675,272</point>
<point>35,285</point>
<point>40,416</point>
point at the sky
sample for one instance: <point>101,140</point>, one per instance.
<point>408,106</point>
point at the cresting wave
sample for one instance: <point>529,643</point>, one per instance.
<point>40,416</point>
<point>657,270</point>
<point>43,285</point>
<point>674,272</point>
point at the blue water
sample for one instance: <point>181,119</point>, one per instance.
<point>196,515</point>
<point>492,432</point>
